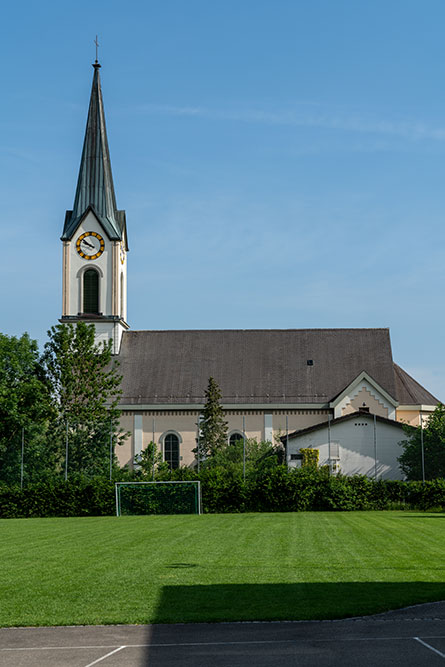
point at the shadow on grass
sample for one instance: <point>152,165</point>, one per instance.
<point>248,602</point>
<point>422,516</point>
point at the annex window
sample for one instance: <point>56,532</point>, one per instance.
<point>171,450</point>
<point>235,437</point>
<point>91,291</point>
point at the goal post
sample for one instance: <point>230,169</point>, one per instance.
<point>179,497</point>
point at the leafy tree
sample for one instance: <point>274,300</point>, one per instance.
<point>433,446</point>
<point>150,461</point>
<point>260,457</point>
<point>25,403</point>
<point>310,457</point>
<point>85,383</point>
<point>213,427</point>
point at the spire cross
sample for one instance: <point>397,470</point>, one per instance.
<point>97,47</point>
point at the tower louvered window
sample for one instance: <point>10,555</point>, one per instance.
<point>91,292</point>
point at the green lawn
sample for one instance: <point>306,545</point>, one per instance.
<point>217,567</point>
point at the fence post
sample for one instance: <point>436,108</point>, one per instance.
<point>111,448</point>
<point>66,452</point>
<point>422,448</point>
<point>286,453</point>
<point>375,448</point>
<point>154,449</point>
<point>244,448</point>
<point>23,455</point>
<point>329,442</point>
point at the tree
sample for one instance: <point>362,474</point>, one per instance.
<point>25,403</point>
<point>213,427</point>
<point>149,462</point>
<point>255,457</point>
<point>433,447</point>
<point>85,384</point>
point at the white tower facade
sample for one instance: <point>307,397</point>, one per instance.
<point>94,238</point>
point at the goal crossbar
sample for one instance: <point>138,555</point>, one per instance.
<point>119,485</point>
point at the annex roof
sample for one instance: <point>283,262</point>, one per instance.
<point>276,366</point>
<point>359,414</point>
<point>95,188</point>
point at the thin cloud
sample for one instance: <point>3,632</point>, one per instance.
<point>357,124</point>
<point>19,154</point>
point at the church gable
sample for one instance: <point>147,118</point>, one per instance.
<point>72,224</point>
<point>365,392</point>
<point>89,220</point>
<point>366,398</point>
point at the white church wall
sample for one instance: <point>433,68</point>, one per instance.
<point>268,427</point>
<point>261,424</point>
<point>415,415</point>
<point>124,452</point>
<point>297,419</point>
<point>355,438</point>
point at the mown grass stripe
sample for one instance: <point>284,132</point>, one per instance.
<point>217,567</point>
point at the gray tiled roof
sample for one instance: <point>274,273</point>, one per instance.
<point>409,391</point>
<point>257,366</point>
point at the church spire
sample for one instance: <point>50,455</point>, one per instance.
<point>95,188</point>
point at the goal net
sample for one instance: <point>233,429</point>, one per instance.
<point>158,497</point>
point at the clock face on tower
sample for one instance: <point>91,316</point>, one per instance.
<point>122,252</point>
<point>90,245</point>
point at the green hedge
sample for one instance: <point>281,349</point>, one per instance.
<point>280,490</point>
<point>94,497</point>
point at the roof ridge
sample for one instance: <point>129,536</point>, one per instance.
<point>337,420</point>
<point>386,329</point>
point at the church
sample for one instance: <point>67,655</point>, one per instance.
<point>273,382</point>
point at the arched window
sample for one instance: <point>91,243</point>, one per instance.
<point>90,291</point>
<point>171,450</point>
<point>235,437</point>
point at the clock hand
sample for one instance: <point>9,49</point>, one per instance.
<point>87,244</point>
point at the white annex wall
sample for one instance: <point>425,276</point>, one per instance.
<point>355,440</point>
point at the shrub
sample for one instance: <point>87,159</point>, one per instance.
<point>273,490</point>
<point>94,497</point>
<point>310,457</point>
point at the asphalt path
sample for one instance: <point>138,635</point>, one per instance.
<point>414,636</point>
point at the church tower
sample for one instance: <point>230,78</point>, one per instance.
<point>95,237</point>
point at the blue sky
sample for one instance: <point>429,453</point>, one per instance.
<point>282,163</point>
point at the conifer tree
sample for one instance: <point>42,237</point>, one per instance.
<point>213,427</point>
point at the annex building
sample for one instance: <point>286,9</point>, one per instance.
<point>273,382</point>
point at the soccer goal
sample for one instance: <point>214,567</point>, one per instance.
<point>158,497</point>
